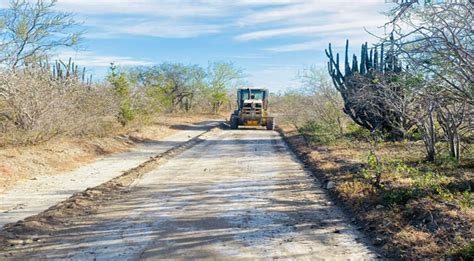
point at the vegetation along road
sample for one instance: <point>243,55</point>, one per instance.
<point>235,193</point>
<point>113,144</point>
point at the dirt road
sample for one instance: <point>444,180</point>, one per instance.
<point>238,194</point>
<point>34,196</point>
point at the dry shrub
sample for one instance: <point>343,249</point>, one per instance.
<point>35,107</point>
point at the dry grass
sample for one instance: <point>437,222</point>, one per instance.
<point>414,215</point>
<point>35,107</point>
<point>19,163</point>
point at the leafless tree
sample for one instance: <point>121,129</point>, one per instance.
<point>291,107</point>
<point>30,31</point>
<point>435,40</point>
<point>451,115</point>
<point>325,103</point>
<point>407,100</point>
<point>438,39</point>
<point>35,106</point>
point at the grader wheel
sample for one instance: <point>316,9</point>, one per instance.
<point>270,124</point>
<point>234,123</point>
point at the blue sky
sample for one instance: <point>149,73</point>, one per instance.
<point>271,40</point>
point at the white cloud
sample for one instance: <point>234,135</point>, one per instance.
<point>311,10</point>
<point>308,45</point>
<point>277,14</point>
<point>165,8</point>
<point>191,18</point>
<point>264,2</point>
<point>165,29</point>
<point>321,44</point>
<point>248,56</point>
<point>164,18</point>
<point>91,59</point>
<point>306,30</point>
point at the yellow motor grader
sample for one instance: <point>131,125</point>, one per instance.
<point>252,109</point>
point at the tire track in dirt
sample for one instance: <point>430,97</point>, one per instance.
<point>34,196</point>
<point>236,194</point>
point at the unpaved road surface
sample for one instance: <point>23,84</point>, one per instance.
<point>34,196</point>
<point>239,194</point>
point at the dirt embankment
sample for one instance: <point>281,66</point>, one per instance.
<point>67,153</point>
<point>422,227</point>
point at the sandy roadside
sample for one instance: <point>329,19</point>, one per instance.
<point>61,155</point>
<point>30,196</point>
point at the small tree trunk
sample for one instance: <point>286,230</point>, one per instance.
<point>450,141</point>
<point>339,123</point>
<point>217,107</point>
<point>429,137</point>
<point>457,147</point>
<point>430,151</point>
<point>450,127</point>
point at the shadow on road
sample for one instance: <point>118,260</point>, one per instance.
<point>204,125</point>
<point>181,219</point>
<point>191,212</point>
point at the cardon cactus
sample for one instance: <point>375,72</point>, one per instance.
<point>62,71</point>
<point>361,79</point>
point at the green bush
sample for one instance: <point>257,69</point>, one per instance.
<point>374,170</point>
<point>357,132</point>
<point>400,196</point>
<point>466,199</point>
<point>317,133</point>
<point>446,161</point>
<point>425,182</point>
<point>126,113</point>
<point>121,89</point>
<point>415,134</point>
<point>465,252</point>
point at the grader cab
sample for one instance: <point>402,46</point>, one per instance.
<point>252,109</point>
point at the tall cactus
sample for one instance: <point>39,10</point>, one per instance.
<point>361,77</point>
<point>61,70</point>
